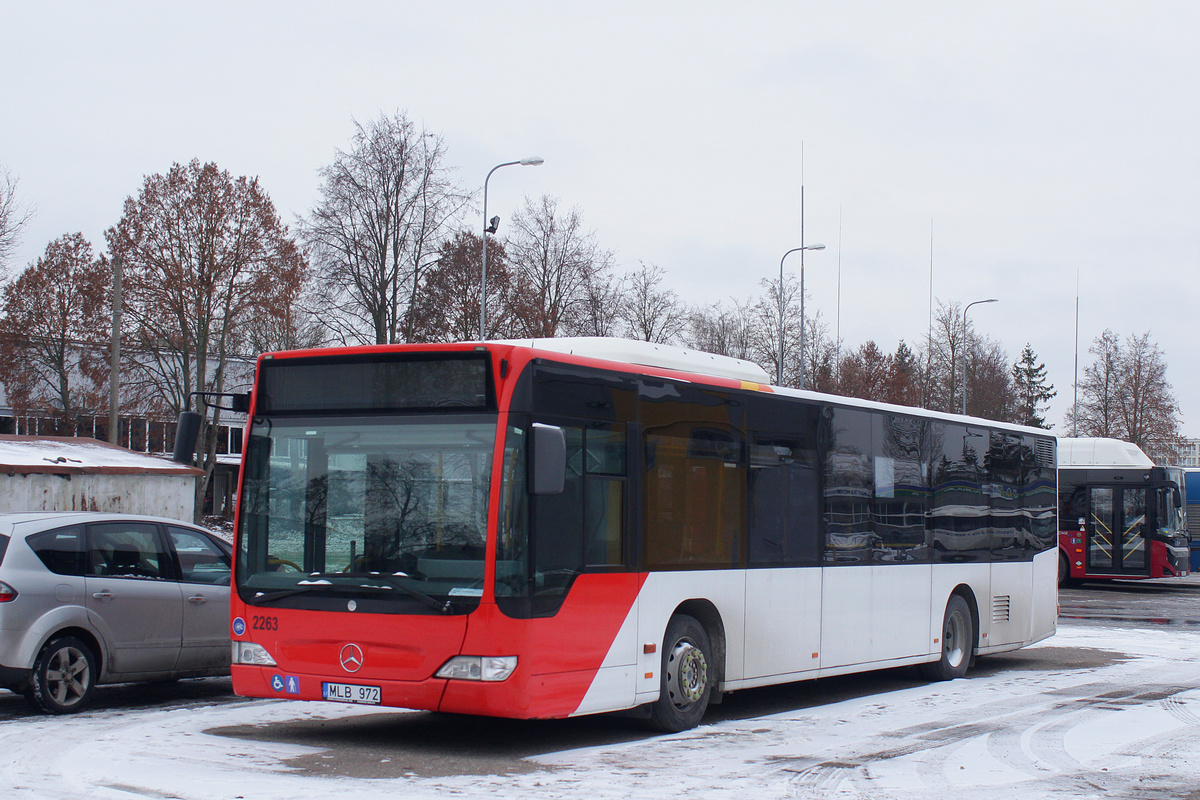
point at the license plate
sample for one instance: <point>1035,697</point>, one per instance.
<point>350,693</point>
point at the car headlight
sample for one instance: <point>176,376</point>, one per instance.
<point>478,668</point>
<point>251,653</point>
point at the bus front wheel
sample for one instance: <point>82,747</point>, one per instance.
<point>958,641</point>
<point>685,676</point>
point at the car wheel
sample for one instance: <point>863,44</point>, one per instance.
<point>685,676</point>
<point>958,642</point>
<point>64,676</point>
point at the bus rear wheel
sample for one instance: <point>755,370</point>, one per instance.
<point>958,641</point>
<point>685,676</point>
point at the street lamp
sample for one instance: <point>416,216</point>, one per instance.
<point>800,250</point>
<point>964,371</point>
<point>531,161</point>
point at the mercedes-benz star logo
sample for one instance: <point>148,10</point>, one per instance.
<point>351,658</point>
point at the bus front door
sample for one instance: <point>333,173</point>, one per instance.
<point>1116,542</point>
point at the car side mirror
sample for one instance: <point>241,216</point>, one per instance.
<point>549,463</point>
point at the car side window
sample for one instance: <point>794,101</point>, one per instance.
<point>201,560</point>
<point>128,550</point>
<point>63,551</point>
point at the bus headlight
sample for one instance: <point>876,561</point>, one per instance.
<point>478,668</point>
<point>251,653</point>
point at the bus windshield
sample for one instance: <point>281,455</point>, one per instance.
<point>390,512</point>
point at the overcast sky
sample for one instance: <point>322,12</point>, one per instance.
<point>1027,142</point>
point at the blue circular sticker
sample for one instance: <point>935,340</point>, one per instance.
<point>239,626</point>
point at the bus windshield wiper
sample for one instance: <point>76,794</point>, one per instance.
<point>269,597</point>
<point>322,581</point>
<point>393,582</point>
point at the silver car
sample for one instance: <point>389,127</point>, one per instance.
<point>89,598</point>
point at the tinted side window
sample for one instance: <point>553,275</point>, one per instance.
<point>849,487</point>
<point>62,551</point>
<point>961,514</point>
<point>3,546</point>
<point>200,559</point>
<point>903,447</point>
<point>128,550</point>
<point>695,495</point>
<point>784,483</point>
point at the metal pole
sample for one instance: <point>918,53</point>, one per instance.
<point>802,248</point>
<point>964,349</point>
<point>483,259</point>
<point>531,161</point>
<point>114,382</point>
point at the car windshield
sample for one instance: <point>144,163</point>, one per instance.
<point>392,511</point>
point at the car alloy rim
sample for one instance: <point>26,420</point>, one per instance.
<point>67,676</point>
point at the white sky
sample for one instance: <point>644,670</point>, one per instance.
<point>1038,140</point>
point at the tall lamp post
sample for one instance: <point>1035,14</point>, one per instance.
<point>964,370</point>
<point>800,250</point>
<point>490,227</point>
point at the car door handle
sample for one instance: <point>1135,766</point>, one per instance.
<point>103,595</point>
<point>198,599</point>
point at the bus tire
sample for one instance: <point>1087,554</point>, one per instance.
<point>685,676</point>
<point>1064,569</point>
<point>958,642</point>
<point>64,676</point>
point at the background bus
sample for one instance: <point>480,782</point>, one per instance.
<point>1120,516</point>
<point>563,527</point>
<point>1192,481</point>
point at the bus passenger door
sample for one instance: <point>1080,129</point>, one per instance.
<point>1116,542</point>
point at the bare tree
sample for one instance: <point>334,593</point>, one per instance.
<point>553,259</point>
<point>944,355</point>
<point>598,313</point>
<point>652,313</point>
<point>387,204</point>
<point>1099,409</point>
<point>777,308</point>
<point>13,217</point>
<point>722,330</point>
<point>865,372</point>
<point>1125,395</point>
<point>989,384</point>
<point>203,254</point>
<point>447,307</point>
<point>52,334</point>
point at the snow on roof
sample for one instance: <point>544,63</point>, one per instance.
<point>650,355</point>
<point>62,455</point>
<point>1097,452</point>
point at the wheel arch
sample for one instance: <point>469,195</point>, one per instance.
<point>968,595</point>
<point>88,638</point>
<point>704,612</point>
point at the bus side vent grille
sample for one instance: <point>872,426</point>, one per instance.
<point>1001,605</point>
<point>1043,453</point>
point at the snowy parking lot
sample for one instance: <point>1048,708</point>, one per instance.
<point>1094,711</point>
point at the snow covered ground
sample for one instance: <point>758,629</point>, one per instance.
<point>1092,712</point>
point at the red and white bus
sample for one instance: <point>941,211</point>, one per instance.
<point>1119,515</point>
<point>547,528</point>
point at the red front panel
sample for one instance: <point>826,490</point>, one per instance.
<point>558,656</point>
<point>399,652</point>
